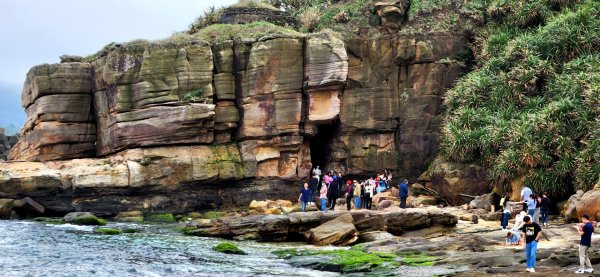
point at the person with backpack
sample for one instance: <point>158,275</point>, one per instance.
<point>545,208</point>
<point>525,193</point>
<point>403,194</point>
<point>585,230</point>
<point>505,210</point>
<point>349,194</point>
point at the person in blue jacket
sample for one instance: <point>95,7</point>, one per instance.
<point>403,193</point>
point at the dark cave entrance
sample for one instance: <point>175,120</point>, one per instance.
<point>321,145</point>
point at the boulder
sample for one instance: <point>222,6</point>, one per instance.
<point>392,12</point>
<point>484,201</point>
<point>340,231</point>
<point>370,223</point>
<point>385,204</point>
<point>589,204</point>
<point>570,208</point>
<point>259,206</point>
<point>424,200</point>
<point>374,236</point>
<point>5,208</point>
<point>383,196</point>
<point>82,218</point>
<point>134,216</point>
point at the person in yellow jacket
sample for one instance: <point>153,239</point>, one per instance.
<point>357,193</point>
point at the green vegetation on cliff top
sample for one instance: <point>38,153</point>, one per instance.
<point>532,107</point>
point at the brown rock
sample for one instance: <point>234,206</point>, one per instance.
<point>385,204</point>
<point>5,208</point>
<point>424,200</point>
<point>374,236</point>
<point>570,210</point>
<point>482,202</point>
<point>370,223</point>
<point>589,204</point>
<point>339,231</point>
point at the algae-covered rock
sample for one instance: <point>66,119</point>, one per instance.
<point>160,218</point>
<point>107,231</point>
<point>228,248</point>
<point>131,230</point>
<point>134,217</point>
<point>212,215</point>
<point>83,218</point>
<point>49,220</point>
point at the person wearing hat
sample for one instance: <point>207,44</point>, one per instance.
<point>349,194</point>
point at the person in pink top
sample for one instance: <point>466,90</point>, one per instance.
<point>323,197</point>
<point>328,179</point>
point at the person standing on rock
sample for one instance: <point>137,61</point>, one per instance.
<point>317,172</point>
<point>403,194</point>
<point>531,203</point>
<point>357,194</point>
<point>304,197</point>
<point>545,208</point>
<point>585,230</point>
<point>530,234</point>
<point>525,193</point>
<point>323,197</point>
<point>506,210</point>
<point>538,204</point>
<point>349,194</point>
<point>313,186</point>
<point>333,193</point>
<point>368,195</point>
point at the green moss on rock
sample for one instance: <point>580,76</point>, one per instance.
<point>107,231</point>
<point>213,215</point>
<point>228,248</point>
<point>131,230</point>
<point>160,218</point>
<point>346,261</point>
<point>49,220</point>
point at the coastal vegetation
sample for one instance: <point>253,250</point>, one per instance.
<point>531,108</point>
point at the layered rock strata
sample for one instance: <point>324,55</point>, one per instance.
<point>151,120</point>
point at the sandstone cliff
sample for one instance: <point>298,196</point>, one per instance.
<point>184,125</point>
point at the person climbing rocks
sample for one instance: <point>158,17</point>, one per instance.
<point>530,233</point>
<point>357,194</point>
<point>585,230</point>
<point>545,208</point>
<point>403,194</point>
<point>525,193</point>
<point>304,197</point>
<point>505,211</point>
<point>323,197</point>
<point>349,194</point>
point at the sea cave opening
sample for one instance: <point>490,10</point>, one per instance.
<point>321,145</point>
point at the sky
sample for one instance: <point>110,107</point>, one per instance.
<point>34,32</point>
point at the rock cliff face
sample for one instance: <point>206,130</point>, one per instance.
<point>182,126</point>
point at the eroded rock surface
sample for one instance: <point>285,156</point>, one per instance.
<point>188,118</point>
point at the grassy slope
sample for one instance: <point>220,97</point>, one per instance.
<point>532,108</point>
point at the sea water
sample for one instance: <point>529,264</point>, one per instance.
<point>39,249</point>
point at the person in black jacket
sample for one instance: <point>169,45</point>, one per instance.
<point>349,194</point>
<point>313,185</point>
<point>545,208</point>
<point>333,192</point>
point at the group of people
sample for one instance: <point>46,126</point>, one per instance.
<point>527,228</point>
<point>331,186</point>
